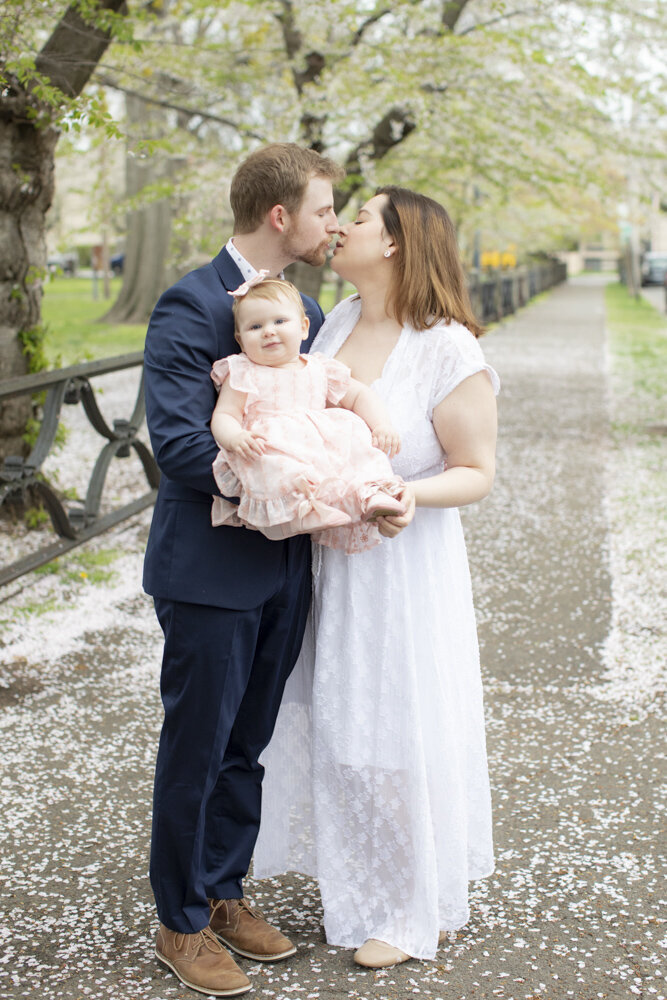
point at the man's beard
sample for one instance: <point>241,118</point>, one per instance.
<point>315,256</point>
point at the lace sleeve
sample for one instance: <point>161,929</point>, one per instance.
<point>458,355</point>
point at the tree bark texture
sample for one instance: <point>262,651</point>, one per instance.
<point>145,272</point>
<point>26,190</point>
<point>27,150</point>
<point>70,55</point>
<point>308,279</point>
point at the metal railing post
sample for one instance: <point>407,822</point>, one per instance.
<point>77,521</point>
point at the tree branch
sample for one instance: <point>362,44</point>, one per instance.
<point>495,20</point>
<point>293,39</point>
<point>291,34</point>
<point>373,19</point>
<point>181,108</point>
<point>451,12</point>
<point>315,63</point>
<point>311,131</point>
<point>392,129</point>
<point>70,55</point>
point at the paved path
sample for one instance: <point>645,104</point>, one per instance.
<point>572,910</point>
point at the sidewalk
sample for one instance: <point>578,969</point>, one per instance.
<point>572,910</point>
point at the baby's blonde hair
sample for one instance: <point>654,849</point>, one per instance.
<point>271,289</point>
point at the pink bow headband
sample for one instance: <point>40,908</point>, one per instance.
<point>243,289</point>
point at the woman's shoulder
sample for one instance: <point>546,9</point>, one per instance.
<point>453,338</point>
<point>344,308</point>
<point>339,321</point>
<point>455,330</point>
<point>455,354</point>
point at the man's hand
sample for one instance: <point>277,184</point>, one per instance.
<point>387,440</point>
<point>389,527</point>
<point>247,445</point>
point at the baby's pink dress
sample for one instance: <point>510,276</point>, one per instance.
<point>319,468</point>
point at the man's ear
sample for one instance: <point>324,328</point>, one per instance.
<point>305,326</point>
<point>278,218</point>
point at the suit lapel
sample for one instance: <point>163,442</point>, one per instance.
<point>229,273</point>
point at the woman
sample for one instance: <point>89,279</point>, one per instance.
<point>377,780</point>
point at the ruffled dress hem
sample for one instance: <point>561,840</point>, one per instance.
<point>306,509</point>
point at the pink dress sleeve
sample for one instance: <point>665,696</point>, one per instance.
<point>338,377</point>
<point>240,371</point>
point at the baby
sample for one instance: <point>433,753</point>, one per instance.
<point>303,444</point>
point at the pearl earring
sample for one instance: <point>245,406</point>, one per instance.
<point>387,253</point>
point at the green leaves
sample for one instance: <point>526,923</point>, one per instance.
<point>526,101</point>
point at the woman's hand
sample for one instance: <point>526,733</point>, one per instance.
<point>389,527</point>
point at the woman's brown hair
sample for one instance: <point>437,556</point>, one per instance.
<point>431,284</point>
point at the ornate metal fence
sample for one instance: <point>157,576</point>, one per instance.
<point>77,521</point>
<point>500,293</point>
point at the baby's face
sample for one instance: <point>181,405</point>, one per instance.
<point>271,333</point>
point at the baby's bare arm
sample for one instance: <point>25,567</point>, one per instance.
<point>227,424</point>
<point>366,404</point>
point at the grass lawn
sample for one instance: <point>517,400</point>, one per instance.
<point>635,500</point>
<point>638,341</point>
<point>75,333</point>
<point>72,318</point>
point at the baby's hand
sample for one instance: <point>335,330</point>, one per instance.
<point>247,445</point>
<point>386,439</point>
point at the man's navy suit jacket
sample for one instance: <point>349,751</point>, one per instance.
<point>187,559</point>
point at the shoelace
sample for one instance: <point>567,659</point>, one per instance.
<point>243,905</point>
<point>205,939</point>
<point>252,910</point>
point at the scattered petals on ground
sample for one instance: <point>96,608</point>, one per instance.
<point>573,655</point>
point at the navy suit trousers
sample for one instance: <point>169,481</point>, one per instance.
<point>223,675</point>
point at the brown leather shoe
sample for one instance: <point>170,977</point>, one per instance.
<point>243,929</point>
<point>200,962</point>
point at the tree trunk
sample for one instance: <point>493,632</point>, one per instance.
<point>26,190</point>
<point>27,149</point>
<point>145,271</point>
<point>307,279</point>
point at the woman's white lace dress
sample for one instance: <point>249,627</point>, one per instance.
<point>376,778</point>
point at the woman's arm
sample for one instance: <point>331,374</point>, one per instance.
<point>366,404</point>
<point>227,427</point>
<point>466,425</point>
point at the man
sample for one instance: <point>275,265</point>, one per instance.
<point>232,604</point>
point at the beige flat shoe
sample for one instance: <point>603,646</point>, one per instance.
<point>376,954</point>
